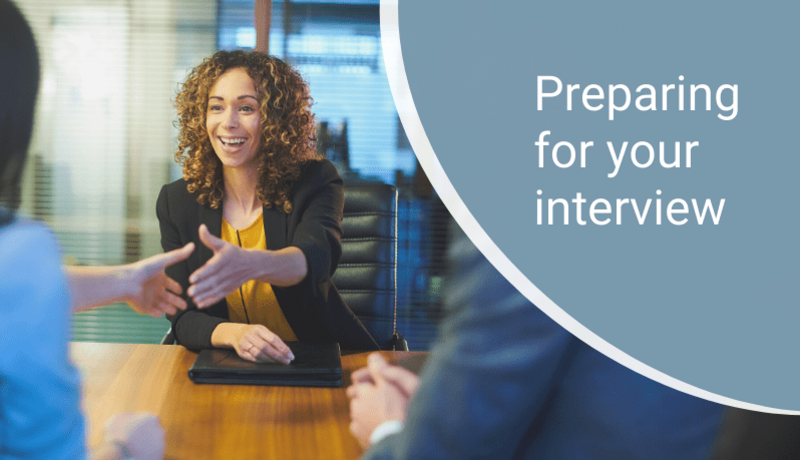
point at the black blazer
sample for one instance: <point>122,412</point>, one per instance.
<point>313,307</point>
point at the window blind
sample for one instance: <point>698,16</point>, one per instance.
<point>336,47</point>
<point>103,140</point>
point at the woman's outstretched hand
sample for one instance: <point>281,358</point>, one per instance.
<point>224,272</point>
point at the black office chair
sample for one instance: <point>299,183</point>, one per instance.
<point>367,273</point>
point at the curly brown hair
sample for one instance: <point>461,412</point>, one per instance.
<point>288,135</point>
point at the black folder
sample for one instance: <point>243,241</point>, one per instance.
<point>316,364</point>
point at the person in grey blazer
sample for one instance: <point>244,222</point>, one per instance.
<point>505,381</point>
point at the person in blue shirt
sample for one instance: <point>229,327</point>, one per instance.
<point>40,413</point>
<point>505,381</point>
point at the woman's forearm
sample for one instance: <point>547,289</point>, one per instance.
<point>232,266</point>
<point>223,334</point>
<point>95,286</point>
<point>284,267</point>
<point>143,284</point>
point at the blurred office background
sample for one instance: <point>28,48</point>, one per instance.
<point>104,140</point>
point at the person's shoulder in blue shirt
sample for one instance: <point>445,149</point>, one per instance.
<point>39,388</point>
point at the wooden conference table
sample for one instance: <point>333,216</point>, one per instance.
<point>219,421</point>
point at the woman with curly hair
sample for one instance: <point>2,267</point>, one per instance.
<point>264,210</point>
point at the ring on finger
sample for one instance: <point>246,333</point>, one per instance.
<point>249,347</point>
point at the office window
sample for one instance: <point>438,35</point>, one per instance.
<point>103,140</point>
<point>336,47</point>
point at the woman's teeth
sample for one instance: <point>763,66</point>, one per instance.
<point>233,141</point>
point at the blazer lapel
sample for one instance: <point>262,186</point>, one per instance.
<point>213,220</point>
<point>274,228</point>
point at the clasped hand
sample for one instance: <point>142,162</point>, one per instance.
<point>140,433</point>
<point>222,274</point>
<point>379,393</point>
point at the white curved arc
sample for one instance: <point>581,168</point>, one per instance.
<point>401,92</point>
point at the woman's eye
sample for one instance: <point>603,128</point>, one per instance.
<point>247,108</point>
<point>215,108</point>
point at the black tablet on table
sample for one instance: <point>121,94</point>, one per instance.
<point>316,364</point>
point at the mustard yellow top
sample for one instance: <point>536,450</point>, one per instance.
<point>260,304</point>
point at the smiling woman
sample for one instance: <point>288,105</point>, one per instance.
<point>263,207</point>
